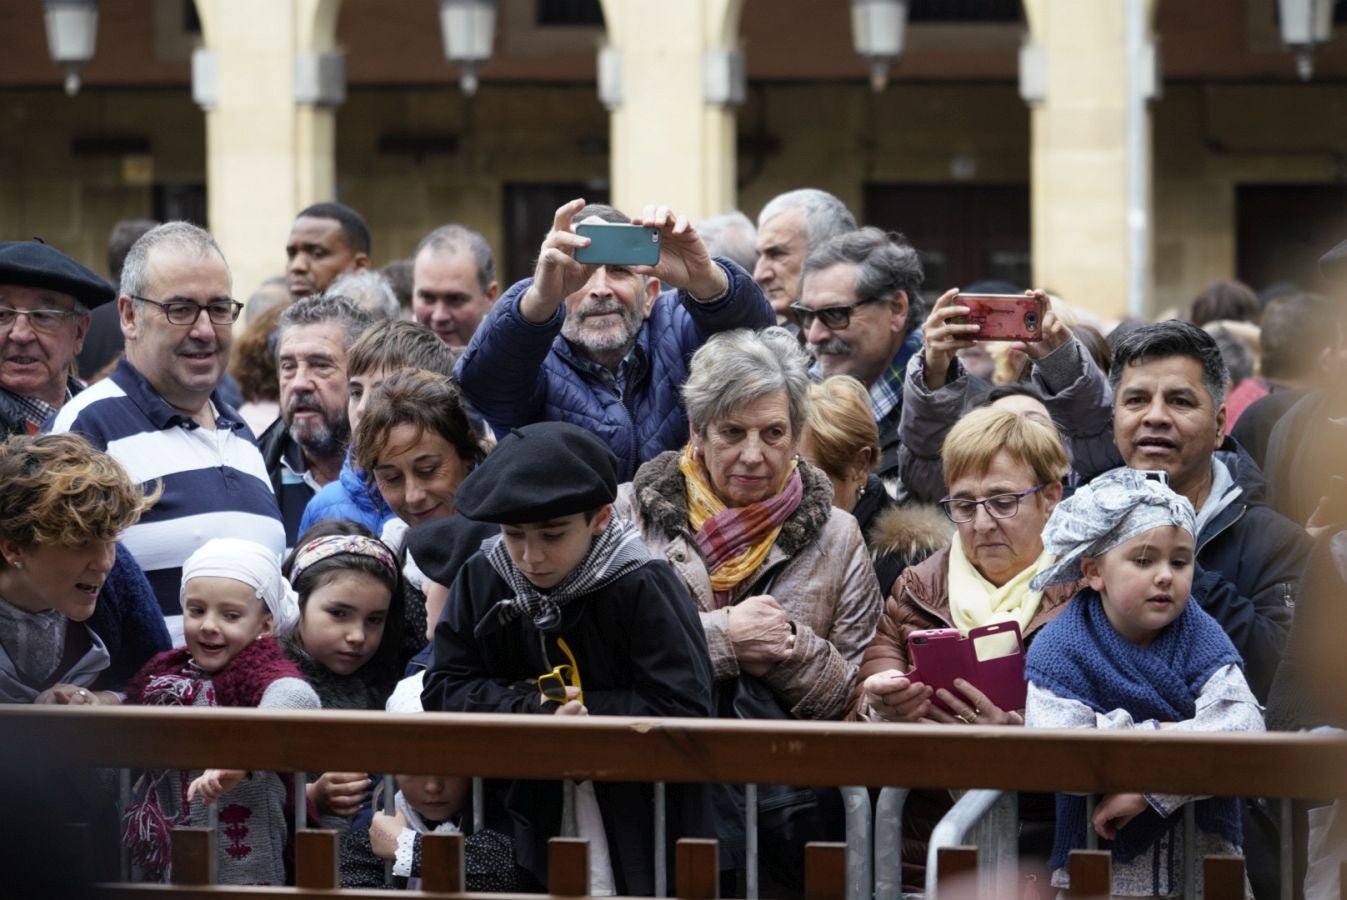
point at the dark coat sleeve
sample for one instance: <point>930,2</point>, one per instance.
<point>670,664</point>
<point>459,678</point>
<point>360,868</point>
<point>1307,691</point>
<point>743,306</point>
<point>1249,582</point>
<point>501,373</point>
<point>128,619</point>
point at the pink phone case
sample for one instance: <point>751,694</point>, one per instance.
<point>941,655</point>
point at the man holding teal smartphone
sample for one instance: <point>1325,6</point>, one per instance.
<point>601,335</point>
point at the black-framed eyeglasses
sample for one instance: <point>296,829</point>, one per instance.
<point>998,506</point>
<point>45,320</point>
<point>834,317</point>
<point>186,312</point>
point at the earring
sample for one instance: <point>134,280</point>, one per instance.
<point>18,564</point>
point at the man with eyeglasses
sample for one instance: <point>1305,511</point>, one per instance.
<point>45,299</point>
<point>859,309</point>
<point>160,414</point>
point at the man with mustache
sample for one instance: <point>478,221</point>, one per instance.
<point>304,448</point>
<point>607,347</point>
<point>160,414</point>
<point>860,310</point>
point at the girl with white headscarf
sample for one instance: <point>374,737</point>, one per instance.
<point>235,602</point>
<point>1133,650</point>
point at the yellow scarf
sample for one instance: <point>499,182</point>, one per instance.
<point>974,601</point>
<point>704,504</point>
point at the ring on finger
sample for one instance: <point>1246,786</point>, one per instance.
<point>968,718</point>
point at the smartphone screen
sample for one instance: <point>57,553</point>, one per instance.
<point>617,244</point>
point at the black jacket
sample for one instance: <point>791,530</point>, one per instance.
<point>292,494</point>
<point>1249,563</point>
<point>640,650</point>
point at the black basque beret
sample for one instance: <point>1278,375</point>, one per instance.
<point>538,473</point>
<point>38,265</point>
<point>440,547</point>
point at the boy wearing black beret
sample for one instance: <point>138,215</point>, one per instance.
<point>566,584</point>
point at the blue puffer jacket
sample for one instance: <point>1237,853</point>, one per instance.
<point>516,373</point>
<point>349,497</point>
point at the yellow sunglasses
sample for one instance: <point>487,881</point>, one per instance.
<point>553,685</point>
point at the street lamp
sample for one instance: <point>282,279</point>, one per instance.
<point>877,28</point>
<point>72,26</point>
<point>469,28</point>
<point>1305,24</point>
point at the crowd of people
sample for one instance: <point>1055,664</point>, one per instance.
<point>755,478</point>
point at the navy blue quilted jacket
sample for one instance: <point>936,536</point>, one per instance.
<point>516,373</point>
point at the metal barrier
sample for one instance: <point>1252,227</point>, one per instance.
<point>995,815</point>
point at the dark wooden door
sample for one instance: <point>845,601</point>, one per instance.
<point>1284,229</point>
<point>529,209</point>
<point>964,232</point>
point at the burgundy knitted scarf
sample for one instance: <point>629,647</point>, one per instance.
<point>173,679</point>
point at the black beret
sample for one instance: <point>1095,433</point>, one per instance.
<point>38,265</point>
<point>538,473</point>
<point>1334,262</point>
<point>440,547</point>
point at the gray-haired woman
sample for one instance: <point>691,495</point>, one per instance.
<point>782,579</point>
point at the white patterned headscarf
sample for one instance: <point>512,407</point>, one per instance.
<point>1109,511</point>
<point>252,564</point>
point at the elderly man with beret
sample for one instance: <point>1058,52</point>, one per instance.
<point>45,299</point>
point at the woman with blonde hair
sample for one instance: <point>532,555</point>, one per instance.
<point>1005,474</point>
<point>842,439</point>
<point>77,617</point>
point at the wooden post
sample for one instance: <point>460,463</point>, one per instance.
<point>442,863</point>
<point>825,871</point>
<point>958,871</point>
<point>698,862</point>
<point>193,855</point>
<point>1223,877</point>
<point>568,867</point>
<point>1091,873</point>
<point>316,860</point>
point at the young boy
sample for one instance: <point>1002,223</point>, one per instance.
<point>567,584</point>
<point>1133,650</point>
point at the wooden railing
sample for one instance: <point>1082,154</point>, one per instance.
<point>675,750</point>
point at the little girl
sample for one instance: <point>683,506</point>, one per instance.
<point>347,641</point>
<point>234,600</point>
<point>1132,651</point>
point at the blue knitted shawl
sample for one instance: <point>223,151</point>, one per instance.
<point>1081,657</point>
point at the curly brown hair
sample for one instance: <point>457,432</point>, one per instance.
<point>60,490</point>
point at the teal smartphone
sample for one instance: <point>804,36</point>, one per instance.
<point>617,244</point>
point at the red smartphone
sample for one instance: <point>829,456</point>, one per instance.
<point>943,654</point>
<point>1003,317</point>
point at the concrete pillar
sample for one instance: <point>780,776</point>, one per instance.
<point>669,143</point>
<point>269,82</point>
<point>1078,88</point>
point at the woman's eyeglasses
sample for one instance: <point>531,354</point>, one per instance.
<point>998,506</point>
<point>553,684</point>
<point>186,312</point>
<point>834,318</point>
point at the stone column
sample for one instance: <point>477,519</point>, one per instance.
<point>668,76</point>
<point>1075,76</point>
<point>269,80</point>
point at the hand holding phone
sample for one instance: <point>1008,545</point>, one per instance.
<point>1003,317</point>
<point>618,244</point>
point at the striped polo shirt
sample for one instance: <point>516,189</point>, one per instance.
<point>214,482</point>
